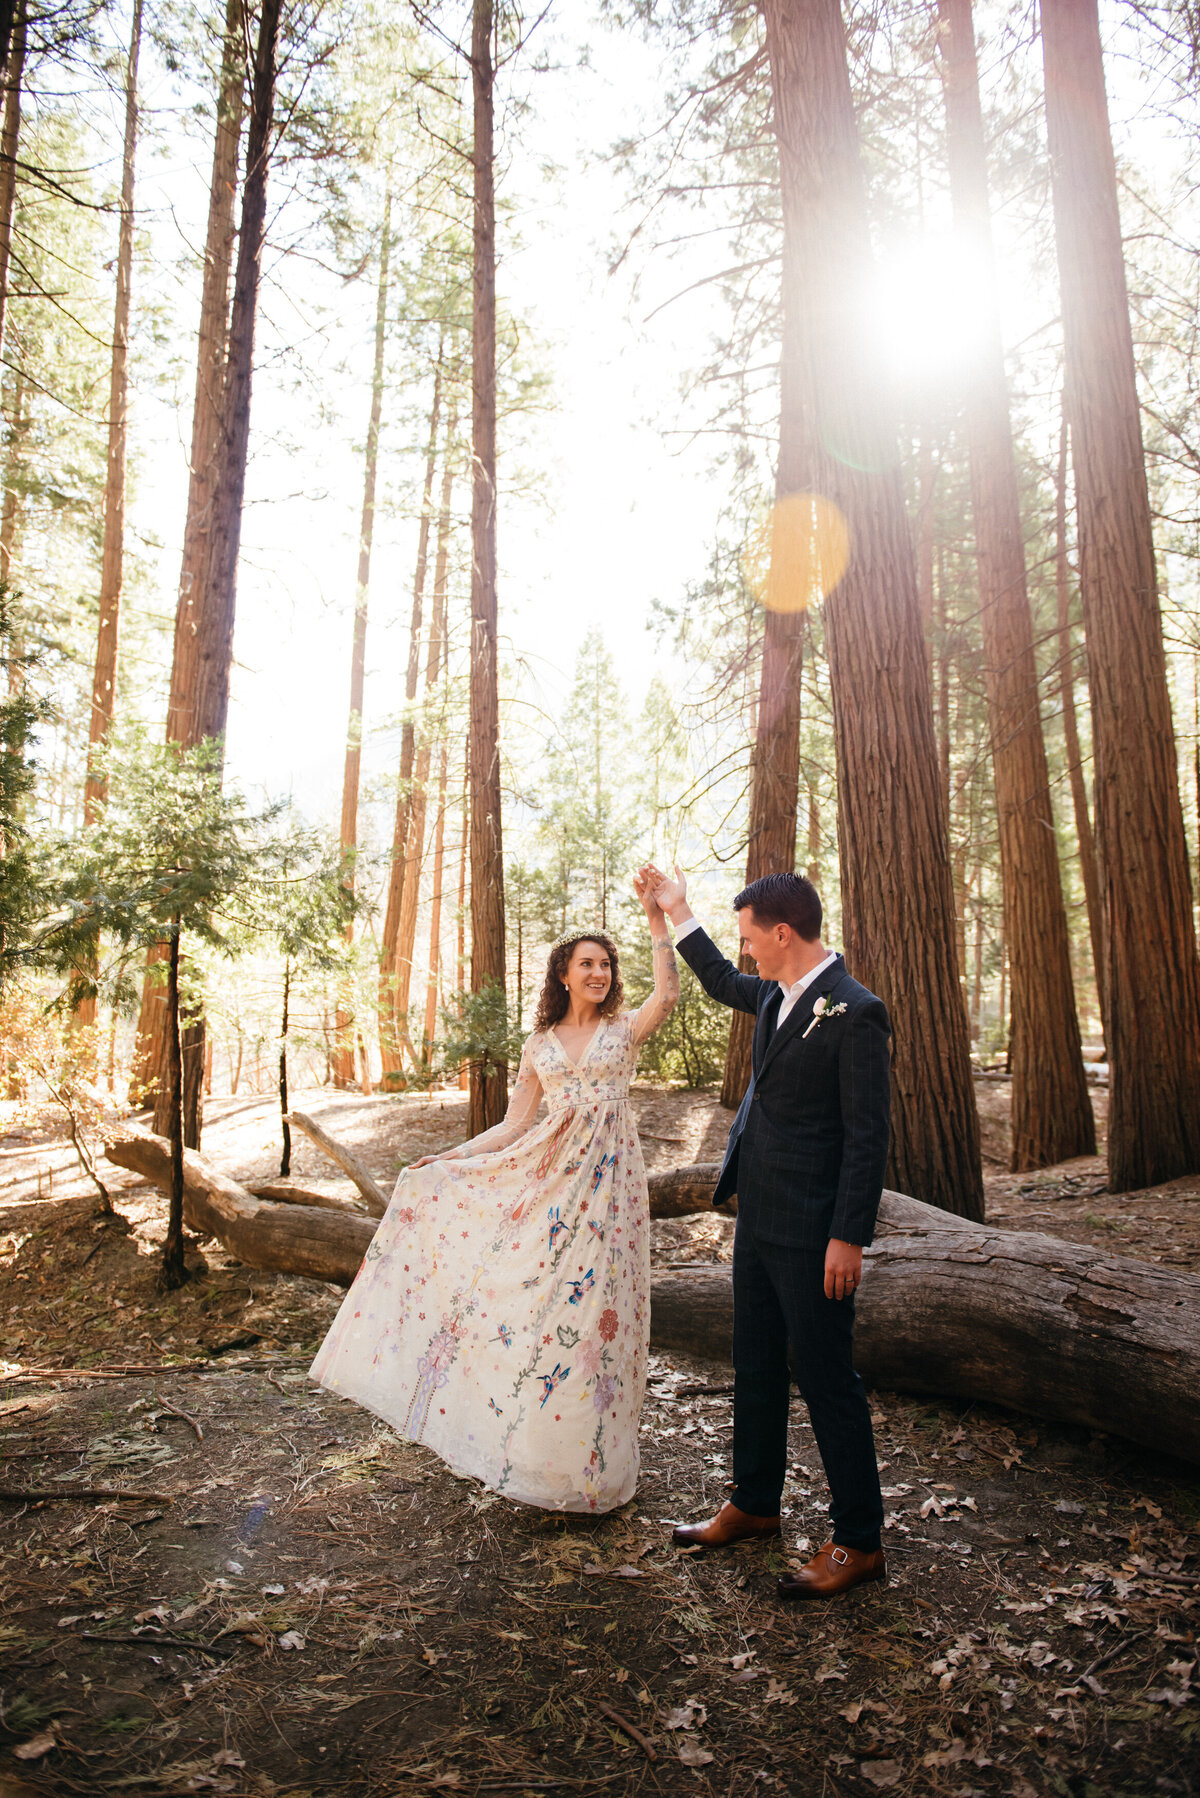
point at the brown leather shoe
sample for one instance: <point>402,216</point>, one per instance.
<point>833,1569</point>
<point>729,1525</point>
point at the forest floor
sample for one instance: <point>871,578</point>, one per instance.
<point>284,1598</point>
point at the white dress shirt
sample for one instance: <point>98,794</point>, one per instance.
<point>791,994</point>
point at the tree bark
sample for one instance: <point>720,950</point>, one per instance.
<point>320,1243</point>
<point>174,1270</point>
<point>896,886</point>
<point>415,850</point>
<point>217,605</point>
<point>112,565</point>
<point>343,1060</point>
<point>10,137</point>
<point>150,1051</point>
<point>488,1079</point>
<point>440,568</point>
<point>285,1160</point>
<point>10,513</point>
<point>215,623</point>
<point>947,1307</point>
<point>210,379</point>
<point>1010,1317</point>
<point>1152,976</point>
<point>1079,797</point>
<point>393,1016</point>
<point>344,1158</point>
<point>775,769</point>
<point>1051,1108</point>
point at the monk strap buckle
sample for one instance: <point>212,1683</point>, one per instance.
<point>839,1557</point>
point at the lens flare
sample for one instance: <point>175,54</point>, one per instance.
<point>798,554</point>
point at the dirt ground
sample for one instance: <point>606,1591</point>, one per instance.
<point>250,1587</point>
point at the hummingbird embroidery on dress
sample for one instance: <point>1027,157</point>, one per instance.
<point>551,1381</point>
<point>595,1228</point>
<point>579,1287</point>
<point>598,1170</point>
<point>557,1227</point>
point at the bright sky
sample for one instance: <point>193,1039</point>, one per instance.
<point>629,506</point>
<point>625,516</point>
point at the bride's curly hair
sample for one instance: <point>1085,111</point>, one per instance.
<point>552,1003</point>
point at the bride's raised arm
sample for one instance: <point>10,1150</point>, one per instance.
<point>661,1003</point>
<point>522,1111</point>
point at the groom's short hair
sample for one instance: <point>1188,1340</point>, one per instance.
<point>784,899</point>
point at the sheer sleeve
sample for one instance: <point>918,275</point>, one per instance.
<point>661,1003</point>
<point>523,1103</point>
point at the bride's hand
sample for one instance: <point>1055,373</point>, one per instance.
<point>643,887</point>
<point>425,1160</point>
<point>667,892</point>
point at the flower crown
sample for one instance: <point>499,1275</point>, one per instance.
<point>582,935</point>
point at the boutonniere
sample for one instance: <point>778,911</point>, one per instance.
<point>822,1010</point>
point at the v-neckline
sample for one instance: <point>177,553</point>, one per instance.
<point>577,1065</point>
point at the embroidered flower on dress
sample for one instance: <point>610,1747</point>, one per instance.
<point>609,1322</point>
<point>605,1391</point>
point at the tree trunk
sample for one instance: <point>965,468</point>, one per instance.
<point>947,1308</point>
<point>150,1048</point>
<point>897,903</point>
<point>10,513</point>
<point>104,679</point>
<point>489,1079</point>
<point>1152,975</point>
<point>393,1017</point>
<point>215,623</point>
<point>343,1062</point>
<point>1079,796</point>
<point>775,769</point>
<point>323,1244</point>
<point>1010,1317</point>
<point>7,14</point>
<point>415,849</point>
<point>215,612</point>
<point>1051,1108</point>
<point>10,137</point>
<point>285,1160</point>
<point>440,567</point>
<point>210,380</point>
<point>174,1270</point>
<point>345,1159</point>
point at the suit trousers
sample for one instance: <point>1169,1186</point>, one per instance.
<point>779,1304</point>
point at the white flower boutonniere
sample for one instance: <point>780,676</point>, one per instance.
<point>822,1010</point>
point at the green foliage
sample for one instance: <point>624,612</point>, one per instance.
<point>479,1028</point>
<point>21,712</point>
<point>169,852</point>
<point>689,1048</point>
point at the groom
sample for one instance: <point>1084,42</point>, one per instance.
<point>806,1158</point>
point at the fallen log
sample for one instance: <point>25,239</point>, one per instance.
<point>344,1158</point>
<point>1012,1317</point>
<point>288,1239</point>
<point>286,1191</point>
<point>948,1308</point>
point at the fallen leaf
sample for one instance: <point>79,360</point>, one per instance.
<point>687,1715</point>
<point>431,1657</point>
<point>36,1746</point>
<point>881,1773</point>
<point>291,1638</point>
<point>778,1693</point>
<point>692,1755</point>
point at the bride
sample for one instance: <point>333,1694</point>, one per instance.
<point>502,1313</point>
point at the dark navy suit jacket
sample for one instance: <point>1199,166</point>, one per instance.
<point>808,1147</point>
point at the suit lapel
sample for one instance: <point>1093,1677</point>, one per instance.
<point>764,1029</point>
<point>801,1014</point>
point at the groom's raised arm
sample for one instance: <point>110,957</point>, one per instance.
<point>715,972</point>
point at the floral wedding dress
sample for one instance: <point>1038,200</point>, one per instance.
<point>502,1313</point>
